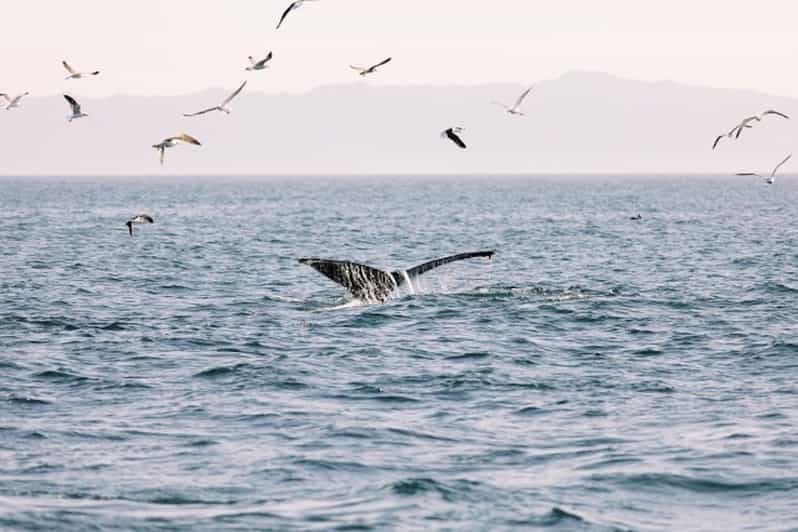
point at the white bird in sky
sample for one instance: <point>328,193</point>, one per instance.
<point>75,106</point>
<point>259,65</point>
<point>223,107</point>
<point>294,5</point>
<point>772,179</point>
<point>171,142</point>
<point>74,74</point>
<point>453,134</point>
<point>11,103</point>
<point>516,108</point>
<point>364,71</point>
<point>137,220</point>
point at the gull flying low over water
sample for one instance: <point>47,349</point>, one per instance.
<point>75,106</point>
<point>12,102</point>
<point>772,178</point>
<point>371,285</point>
<point>223,107</point>
<point>171,142</point>
<point>259,65</point>
<point>364,71</point>
<point>137,220</point>
<point>516,107</point>
<point>74,74</point>
<point>294,5</point>
<point>453,134</point>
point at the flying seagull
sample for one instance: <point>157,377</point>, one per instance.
<point>74,74</point>
<point>294,5</point>
<point>12,102</point>
<point>221,107</point>
<point>371,285</point>
<point>259,65</point>
<point>138,219</point>
<point>516,108</point>
<point>75,106</point>
<point>757,118</point>
<point>453,134</point>
<point>734,133</point>
<point>369,70</point>
<point>772,179</point>
<point>171,142</point>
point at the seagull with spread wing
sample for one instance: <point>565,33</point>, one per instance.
<point>365,71</point>
<point>772,178</point>
<point>171,142</point>
<point>137,220</point>
<point>516,108</point>
<point>223,107</point>
<point>260,64</point>
<point>75,107</point>
<point>74,74</point>
<point>294,5</point>
<point>12,103</point>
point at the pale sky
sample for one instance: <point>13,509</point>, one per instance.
<point>179,46</point>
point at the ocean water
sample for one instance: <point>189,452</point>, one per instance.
<point>598,374</point>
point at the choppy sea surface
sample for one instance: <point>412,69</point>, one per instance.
<point>599,373</point>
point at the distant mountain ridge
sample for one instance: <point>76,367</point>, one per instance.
<point>582,122</point>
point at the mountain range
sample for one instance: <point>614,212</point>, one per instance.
<point>581,122</point>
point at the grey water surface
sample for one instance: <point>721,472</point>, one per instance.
<point>599,373</point>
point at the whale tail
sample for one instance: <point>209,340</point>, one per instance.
<point>373,285</point>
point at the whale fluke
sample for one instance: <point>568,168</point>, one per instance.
<point>373,285</point>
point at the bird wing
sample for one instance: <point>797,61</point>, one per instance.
<point>454,138</point>
<point>715,145</point>
<point>73,104</point>
<point>383,62</point>
<point>147,218</point>
<point>68,68</point>
<point>236,93</point>
<point>359,69</point>
<point>772,112</point>
<point>185,137</point>
<point>4,95</point>
<point>163,152</point>
<point>285,13</point>
<point>500,104</point>
<point>427,266</point>
<point>521,98</point>
<point>18,98</point>
<point>773,173</point>
<point>202,112</point>
<point>744,174</point>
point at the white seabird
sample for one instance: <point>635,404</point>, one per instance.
<point>171,142</point>
<point>453,134</point>
<point>516,107</point>
<point>758,118</point>
<point>138,219</point>
<point>259,65</point>
<point>294,5</point>
<point>223,107</point>
<point>364,71</point>
<point>772,179</point>
<point>74,74</point>
<point>12,102</point>
<point>75,106</point>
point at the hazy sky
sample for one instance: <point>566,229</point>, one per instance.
<point>178,46</point>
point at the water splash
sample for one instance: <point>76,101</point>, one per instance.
<point>409,283</point>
